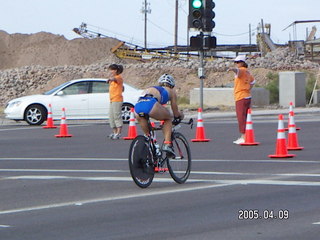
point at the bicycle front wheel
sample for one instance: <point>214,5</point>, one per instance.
<point>180,166</point>
<point>140,162</point>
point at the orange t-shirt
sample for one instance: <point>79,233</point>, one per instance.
<point>115,89</point>
<point>242,84</point>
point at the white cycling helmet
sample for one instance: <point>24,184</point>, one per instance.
<point>167,79</point>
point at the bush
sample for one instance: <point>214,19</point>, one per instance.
<point>311,79</point>
<point>273,87</point>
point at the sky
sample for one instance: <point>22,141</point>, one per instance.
<point>123,19</point>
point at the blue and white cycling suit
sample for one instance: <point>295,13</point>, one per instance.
<point>146,103</point>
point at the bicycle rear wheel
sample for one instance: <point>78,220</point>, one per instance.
<point>140,162</point>
<point>180,166</point>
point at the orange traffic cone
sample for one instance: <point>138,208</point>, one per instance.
<point>290,111</point>
<point>292,135</point>
<point>249,136</point>
<point>200,132</point>
<point>132,132</point>
<point>49,119</point>
<point>63,126</point>
<point>281,148</point>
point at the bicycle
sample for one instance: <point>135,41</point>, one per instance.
<point>146,156</point>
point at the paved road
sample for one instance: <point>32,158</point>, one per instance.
<point>80,188</point>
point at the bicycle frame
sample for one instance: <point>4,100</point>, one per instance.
<point>158,159</point>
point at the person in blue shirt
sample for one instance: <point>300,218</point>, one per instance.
<point>151,102</point>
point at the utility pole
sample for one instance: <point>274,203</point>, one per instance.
<point>145,24</point>
<point>176,27</point>
<point>145,10</point>
<point>249,33</point>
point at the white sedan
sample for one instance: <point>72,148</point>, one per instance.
<point>81,98</point>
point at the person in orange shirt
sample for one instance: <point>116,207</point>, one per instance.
<point>243,82</point>
<point>116,100</point>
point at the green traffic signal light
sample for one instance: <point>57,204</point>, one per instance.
<point>197,3</point>
<point>195,14</point>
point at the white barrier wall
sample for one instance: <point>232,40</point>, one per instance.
<point>224,97</point>
<point>292,88</point>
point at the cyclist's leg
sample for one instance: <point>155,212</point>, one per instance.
<point>143,124</point>
<point>159,112</point>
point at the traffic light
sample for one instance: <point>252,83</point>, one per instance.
<point>209,42</point>
<point>208,15</point>
<point>195,14</point>
<point>201,15</point>
<point>203,42</point>
<point>200,18</point>
<point>196,42</point>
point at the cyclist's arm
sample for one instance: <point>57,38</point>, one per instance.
<point>174,105</point>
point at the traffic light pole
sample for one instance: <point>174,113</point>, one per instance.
<point>201,75</point>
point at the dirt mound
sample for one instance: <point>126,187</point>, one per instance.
<point>46,49</point>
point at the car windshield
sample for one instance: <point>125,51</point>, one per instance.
<point>55,89</point>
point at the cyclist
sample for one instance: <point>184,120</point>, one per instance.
<point>151,102</point>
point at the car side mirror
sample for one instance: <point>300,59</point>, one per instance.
<point>60,93</point>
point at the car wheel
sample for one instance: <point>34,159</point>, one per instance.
<point>125,112</point>
<point>35,114</point>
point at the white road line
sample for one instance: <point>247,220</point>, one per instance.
<point>154,192</point>
<point>122,179</point>
<point>64,170</point>
<point>15,129</point>
<point>318,223</point>
<point>257,174</point>
<point>63,159</point>
<point>270,182</point>
<point>194,160</point>
<point>37,127</point>
<point>5,226</point>
<point>190,180</point>
<point>192,172</point>
<point>257,161</point>
<point>44,177</point>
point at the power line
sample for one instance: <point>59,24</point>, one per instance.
<point>233,35</point>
